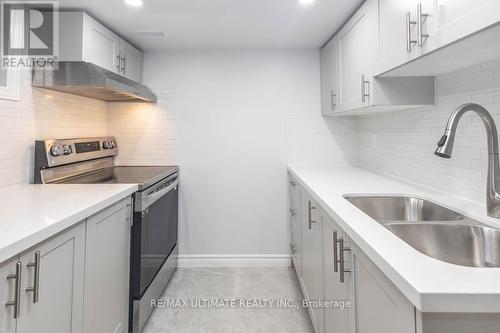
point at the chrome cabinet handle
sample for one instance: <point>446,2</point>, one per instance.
<point>332,100</point>
<point>17,292</point>
<point>119,65</point>
<point>310,207</point>
<point>335,252</point>
<point>420,21</point>
<point>123,63</point>
<point>409,23</point>
<point>342,269</point>
<point>293,183</point>
<point>293,212</point>
<point>36,277</point>
<point>364,94</point>
<point>293,248</point>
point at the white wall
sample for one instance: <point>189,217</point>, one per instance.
<point>41,114</point>
<point>239,116</point>
<point>231,119</point>
<point>403,143</point>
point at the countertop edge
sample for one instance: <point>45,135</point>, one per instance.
<point>10,251</point>
<point>430,302</point>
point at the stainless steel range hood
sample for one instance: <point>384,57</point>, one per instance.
<point>89,80</point>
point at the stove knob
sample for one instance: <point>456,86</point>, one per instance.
<point>56,150</point>
<point>105,145</point>
<point>113,144</point>
<point>67,149</point>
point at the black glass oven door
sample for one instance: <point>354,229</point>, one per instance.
<point>154,236</point>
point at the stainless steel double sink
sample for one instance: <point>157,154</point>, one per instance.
<point>434,230</point>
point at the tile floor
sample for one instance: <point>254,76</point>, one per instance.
<point>231,283</point>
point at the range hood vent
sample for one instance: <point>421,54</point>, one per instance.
<point>89,80</point>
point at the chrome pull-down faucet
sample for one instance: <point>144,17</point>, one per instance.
<point>445,148</point>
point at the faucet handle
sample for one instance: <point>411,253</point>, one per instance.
<point>442,141</point>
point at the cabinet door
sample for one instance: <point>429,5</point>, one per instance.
<point>60,266</point>
<point>7,294</point>
<point>393,34</point>
<point>456,19</point>
<point>101,45</point>
<point>312,272</point>
<point>294,219</point>
<point>107,270</point>
<point>336,319</point>
<point>356,42</point>
<point>329,77</point>
<point>380,306</point>
<point>131,61</point>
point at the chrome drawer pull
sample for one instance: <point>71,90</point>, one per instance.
<point>420,22</point>
<point>36,277</point>
<point>309,214</point>
<point>364,93</point>
<point>342,249</point>
<point>409,23</point>
<point>335,252</point>
<point>17,291</point>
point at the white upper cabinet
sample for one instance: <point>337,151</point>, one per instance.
<point>355,59</point>
<point>329,77</point>
<point>456,19</point>
<point>100,45</point>
<point>447,36</point>
<point>349,86</point>
<point>82,38</point>
<point>130,61</point>
<point>398,32</point>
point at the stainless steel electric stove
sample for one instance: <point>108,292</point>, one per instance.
<point>153,253</point>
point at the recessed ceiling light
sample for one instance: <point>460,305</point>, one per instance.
<point>134,3</point>
<point>306,2</point>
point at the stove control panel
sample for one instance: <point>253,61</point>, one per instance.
<point>109,144</point>
<point>67,151</point>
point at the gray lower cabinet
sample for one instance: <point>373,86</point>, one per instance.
<point>312,265</point>
<point>74,282</point>
<point>376,304</point>
<point>339,291</point>
<point>294,222</point>
<point>380,306</point>
<point>7,290</point>
<point>107,270</point>
<point>59,264</point>
<point>50,293</point>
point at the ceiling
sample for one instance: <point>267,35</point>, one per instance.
<point>222,23</point>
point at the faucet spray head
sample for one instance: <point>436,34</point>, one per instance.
<point>445,144</point>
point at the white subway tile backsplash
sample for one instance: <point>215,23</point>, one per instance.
<point>407,140</point>
<point>41,114</point>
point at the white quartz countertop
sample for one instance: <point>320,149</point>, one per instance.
<point>431,285</point>
<point>29,214</point>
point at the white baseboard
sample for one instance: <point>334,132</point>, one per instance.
<point>222,260</point>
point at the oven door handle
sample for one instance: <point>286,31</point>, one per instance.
<point>151,198</point>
